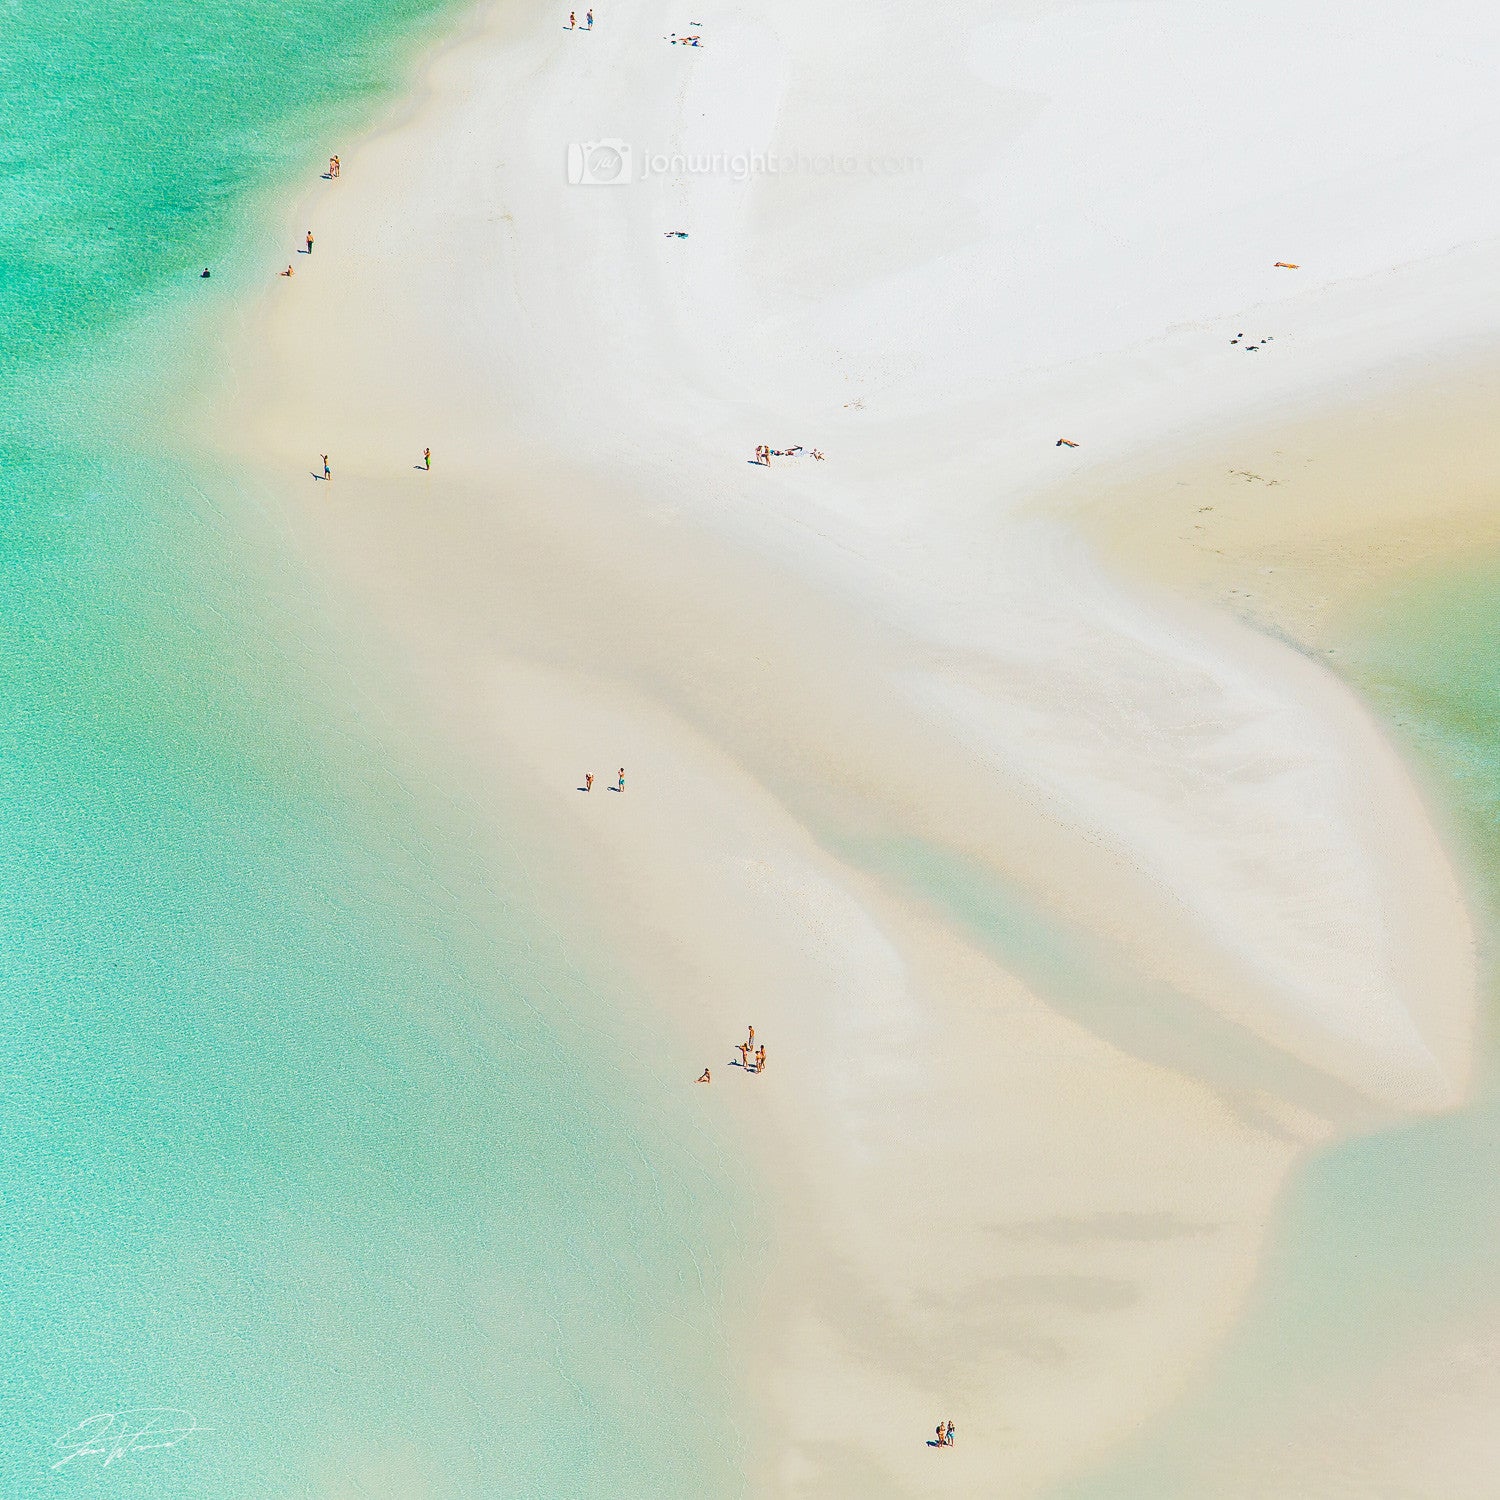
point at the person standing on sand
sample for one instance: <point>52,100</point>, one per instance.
<point>750,1041</point>
<point>588,21</point>
<point>588,782</point>
<point>327,472</point>
<point>309,242</point>
<point>942,1441</point>
<point>744,1051</point>
<point>620,784</point>
<point>705,1078</point>
<point>427,458</point>
<point>572,19</point>
<point>948,1436</point>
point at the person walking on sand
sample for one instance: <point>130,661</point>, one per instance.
<point>620,784</point>
<point>588,21</point>
<point>427,458</point>
<point>572,20</point>
<point>705,1078</point>
<point>309,242</point>
<point>588,782</point>
<point>327,472</point>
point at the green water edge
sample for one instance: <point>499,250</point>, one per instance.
<point>310,1126</point>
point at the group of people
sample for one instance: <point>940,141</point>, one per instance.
<point>333,166</point>
<point>756,1064</point>
<point>945,1434</point>
<point>752,1058</point>
<point>764,453</point>
<point>588,21</point>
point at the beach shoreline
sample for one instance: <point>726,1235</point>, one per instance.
<point>791,662</point>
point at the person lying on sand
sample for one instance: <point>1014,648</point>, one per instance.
<point>1287,265</point>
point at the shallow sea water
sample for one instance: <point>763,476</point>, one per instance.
<point>306,1127</point>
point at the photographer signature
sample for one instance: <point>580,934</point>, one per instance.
<point>113,1434</point>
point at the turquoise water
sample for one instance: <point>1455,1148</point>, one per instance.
<point>308,1125</point>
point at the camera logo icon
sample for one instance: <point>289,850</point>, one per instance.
<point>605,163</point>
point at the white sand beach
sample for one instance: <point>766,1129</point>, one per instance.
<point>1013,1188</point>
